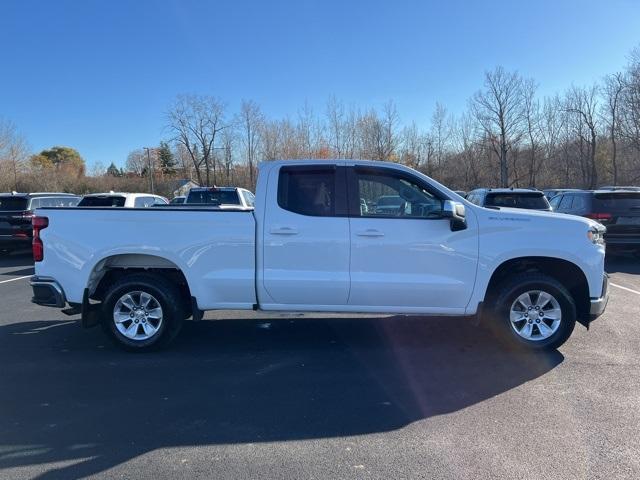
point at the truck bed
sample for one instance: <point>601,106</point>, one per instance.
<point>214,248</point>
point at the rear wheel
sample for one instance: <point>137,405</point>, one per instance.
<point>535,311</point>
<point>142,312</point>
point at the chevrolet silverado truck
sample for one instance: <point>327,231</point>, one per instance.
<point>312,244</point>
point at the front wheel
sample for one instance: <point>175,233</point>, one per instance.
<point>142,312</point>
<point>535,311</point>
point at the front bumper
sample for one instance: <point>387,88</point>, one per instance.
<point>598,305</point>
<point>47,292</point>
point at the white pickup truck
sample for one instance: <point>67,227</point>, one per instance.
<point>323,238</point>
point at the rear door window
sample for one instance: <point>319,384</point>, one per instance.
<point>308,191</point>
<point>566,203</point>
<point>555,202</point>
<point>580,203</point>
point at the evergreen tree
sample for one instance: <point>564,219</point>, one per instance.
<point>113,171</point>
<point>165,157</point>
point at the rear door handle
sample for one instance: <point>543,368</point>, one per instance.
<point>370,232</point>
<point>283,231</point>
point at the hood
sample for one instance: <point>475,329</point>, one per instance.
<point>535,216</point>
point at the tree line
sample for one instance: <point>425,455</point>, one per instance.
<point>507,136</point>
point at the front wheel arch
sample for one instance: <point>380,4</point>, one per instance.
<point>570,275</point>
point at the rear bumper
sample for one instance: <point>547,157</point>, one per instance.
<point>598,305</point>
<point>47,292</point>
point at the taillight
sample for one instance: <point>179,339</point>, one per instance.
<point>39,223</point>
<point>599,216</point>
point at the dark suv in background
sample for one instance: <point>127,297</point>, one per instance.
<point>16,211</point>
<point>618,210</point>
<point>509,197</point>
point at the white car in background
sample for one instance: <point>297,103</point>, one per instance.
<point>124,200</point>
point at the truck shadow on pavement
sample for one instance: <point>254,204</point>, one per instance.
<point>72,405</point>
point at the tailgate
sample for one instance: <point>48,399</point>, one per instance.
<point>623,209</point>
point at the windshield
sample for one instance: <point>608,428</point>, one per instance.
<point>215,197</point>
<point>106,201</point>
<point>532,201</point>
<point>11,204</point>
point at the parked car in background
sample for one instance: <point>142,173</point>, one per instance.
<point>616,188</point>
<point>510,198</point>
<point>618,210</point>
<point>118,199</point>
<point>221,196</point>
<point>552,192</point>
<point>388,205</point>
<point>462,193</point>
<point>178,200</point>
<point>16,212</point>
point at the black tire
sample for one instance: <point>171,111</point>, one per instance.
<point>166,294</point>
<point>507,293</point>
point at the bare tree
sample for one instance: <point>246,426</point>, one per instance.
<point>137,162</point>
<point>613,90</point>
<point>415,147</point>
<point>583,104</point>
<point>531,111</point>
<point>552,123</point>
<point>229,139</point>
<point>499,109</point>
<point>336,127</point>
<point>440,132</point>
<point>250,123</point>
<point>630,112</point>
<point>14,152</point>
<point>195,120</point>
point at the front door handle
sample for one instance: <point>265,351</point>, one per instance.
<point>283,231</point>
<point>370,232</point>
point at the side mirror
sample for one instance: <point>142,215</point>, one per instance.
<point>456,213</point>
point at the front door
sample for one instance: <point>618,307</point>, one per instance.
<point>404,257</point>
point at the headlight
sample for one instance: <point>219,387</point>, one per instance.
<point>596,236</point>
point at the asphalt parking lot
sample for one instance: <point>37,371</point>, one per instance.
<point>286,396</point>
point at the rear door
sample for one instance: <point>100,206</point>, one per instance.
<point>306,237</point>
<point>408,259</point>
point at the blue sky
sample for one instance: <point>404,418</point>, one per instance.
<point>99,75</point>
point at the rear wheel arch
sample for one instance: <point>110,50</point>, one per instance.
<point>111,269</point>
